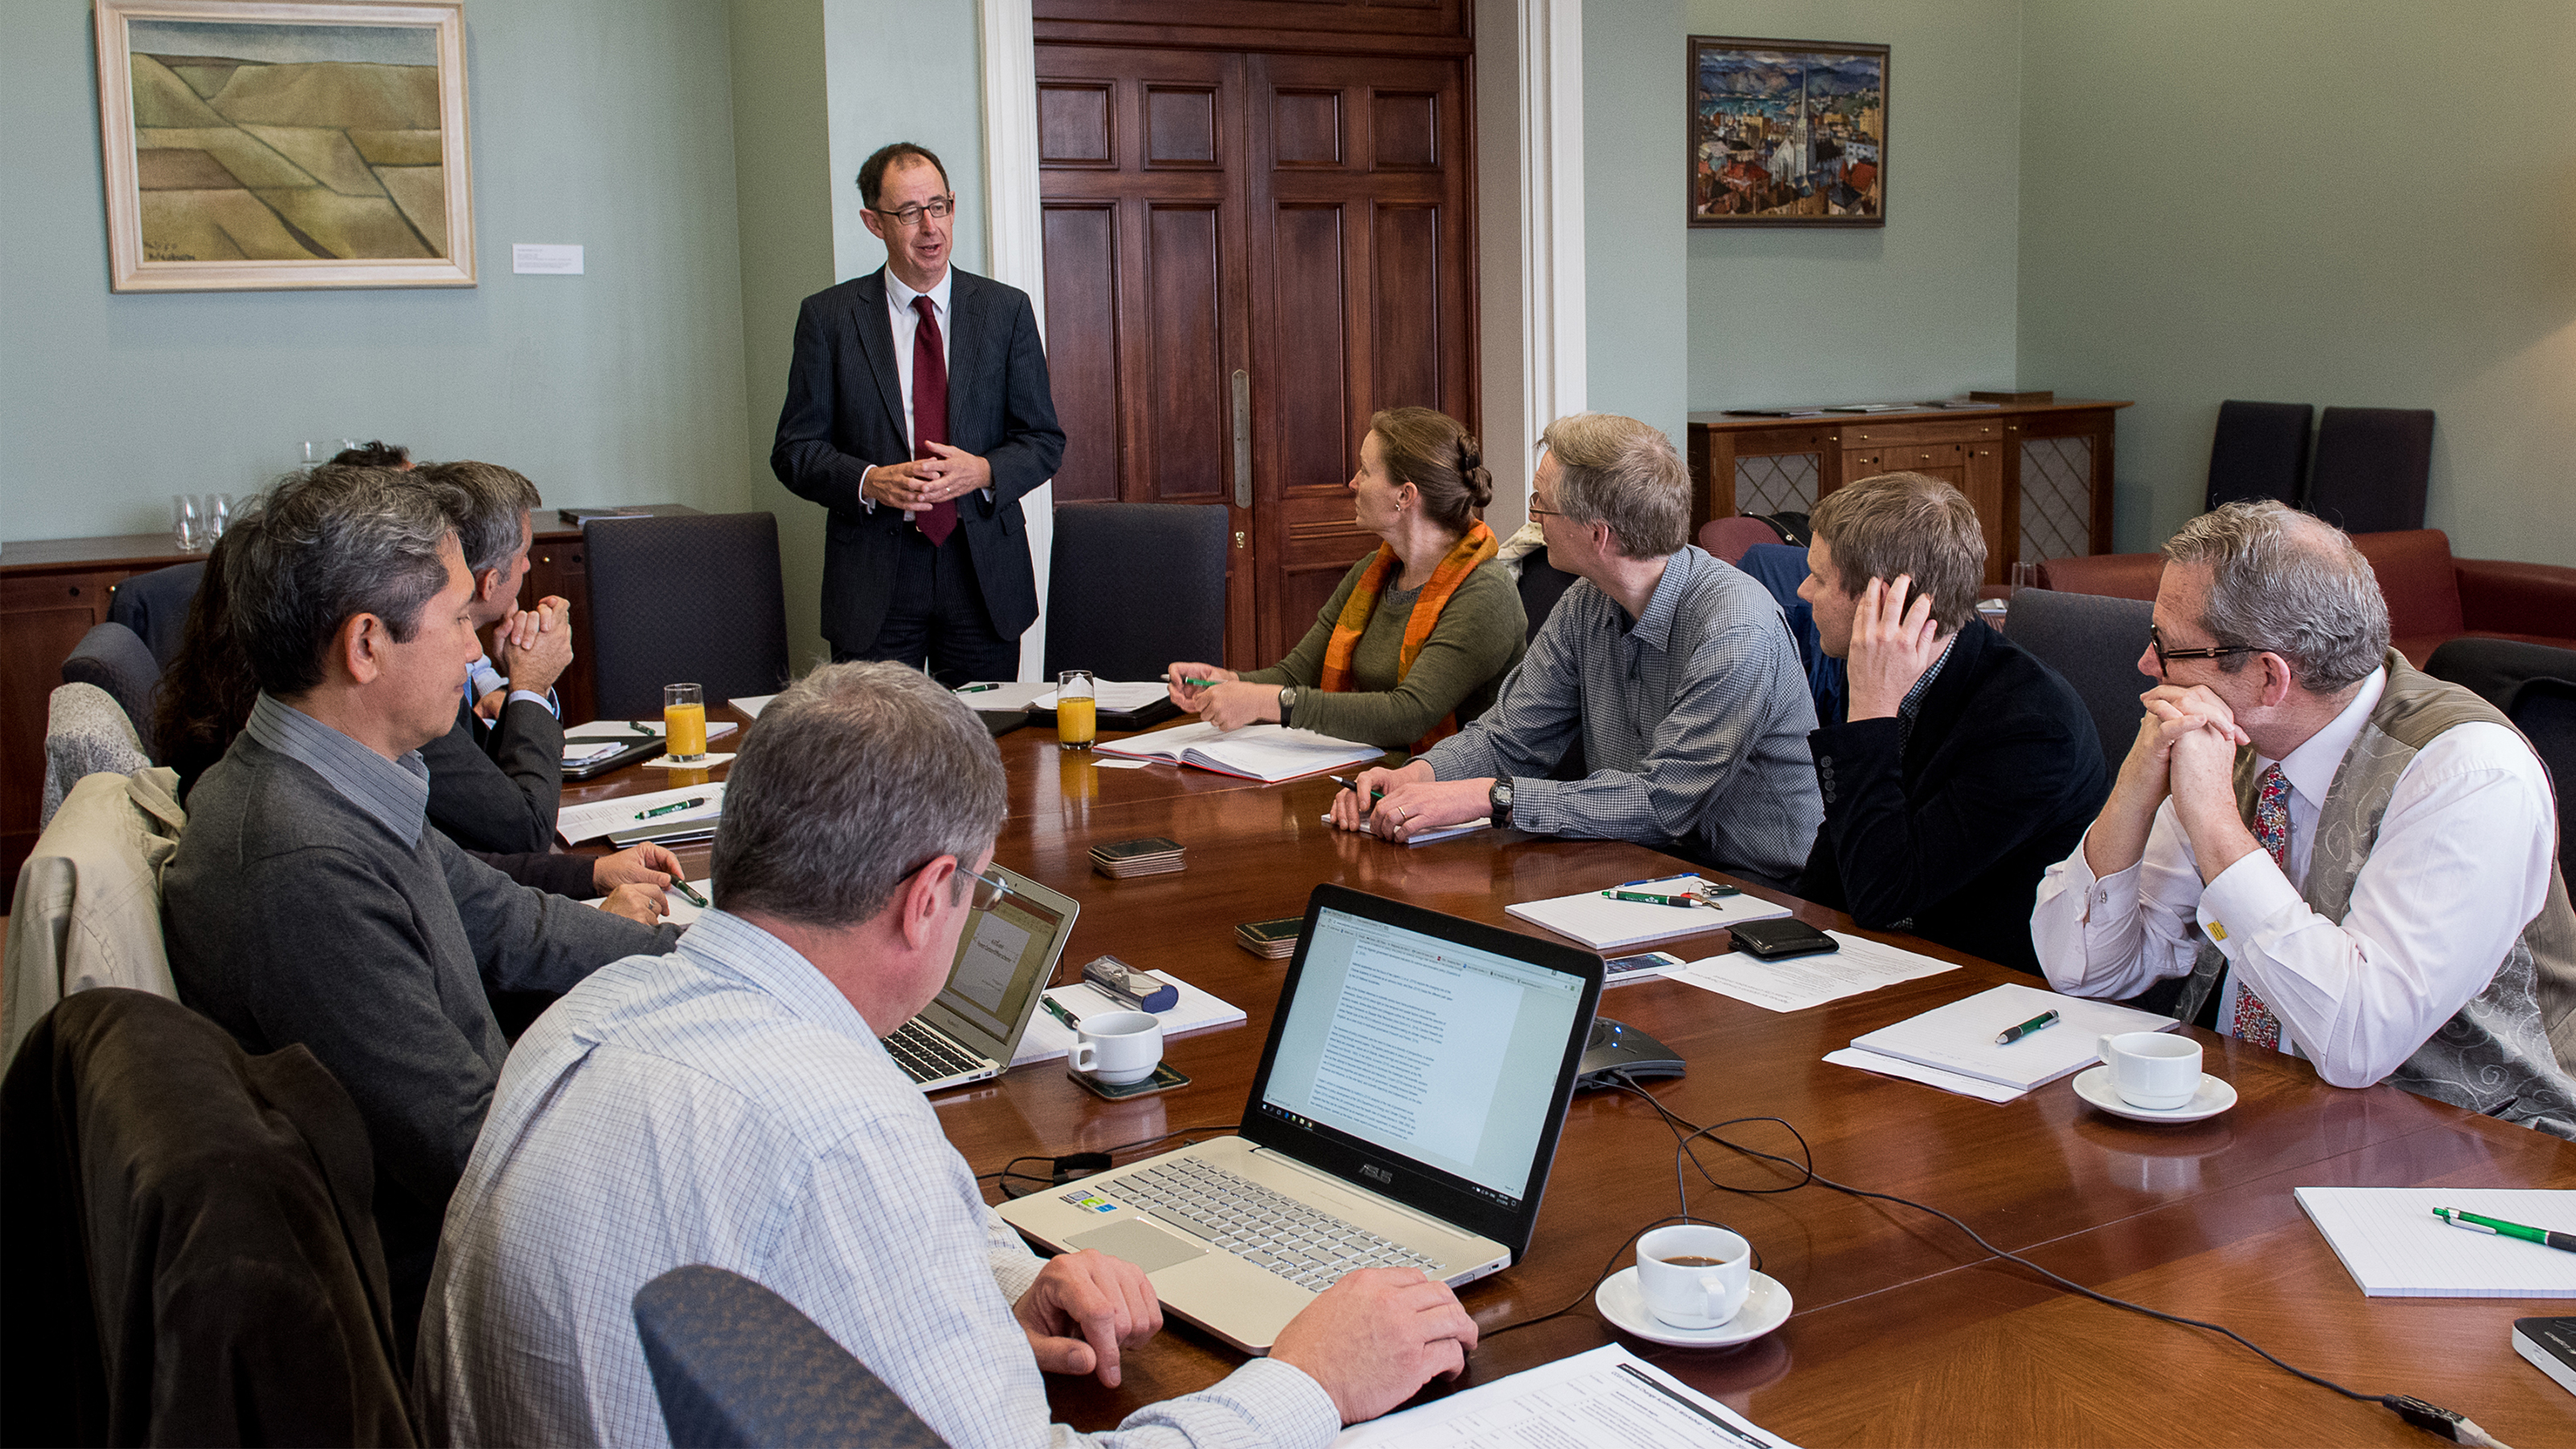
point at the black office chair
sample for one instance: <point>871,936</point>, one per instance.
<point>112,657</point>
<point>2095,642</point>
<point>738,1367</point>
<point>2545,711</point>
<point>1542,584</point>
<point>1135,586</point>
<point>155,606</point>
<point>2373,465</point>
<point>2259,451</point>
<point>2496,669</point>
<point>690,599</point>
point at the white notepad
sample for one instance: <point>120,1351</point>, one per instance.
<point>1262,752</point>
<point>1437,832</point>
<point>1048,1038</point>
<point>1960,1037</point>
<point>1606,925</point>
<point>1607,1398</point>
<point>2394,1247</point>
<point>1798,982</point>
<point>577,823</point>
<point>628,731</point>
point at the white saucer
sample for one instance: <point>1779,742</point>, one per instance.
<point>1766,1307</point>
<point>2214,1097</point>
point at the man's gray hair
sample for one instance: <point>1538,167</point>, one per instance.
<point>856,776</point>
<point>2290,584</point>
<point>1619,471</point>
<point>488,505</point>
<point>320,547</point>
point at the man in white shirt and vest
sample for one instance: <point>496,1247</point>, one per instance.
<point>2350,861</point>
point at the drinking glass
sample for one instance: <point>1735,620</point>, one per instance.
<point>187,526</point>
<point>2025,576</point>
<point>684,723</point>
<point>1077,706</point>
<point>214,515</point>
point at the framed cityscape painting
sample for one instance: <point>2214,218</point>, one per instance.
<point>1787,133</point>
<point>284,144</point>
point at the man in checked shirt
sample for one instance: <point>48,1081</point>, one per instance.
<point>1676,672</point>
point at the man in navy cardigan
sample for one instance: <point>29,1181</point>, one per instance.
<point>1963,767</point>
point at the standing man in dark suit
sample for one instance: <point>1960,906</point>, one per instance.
<point>1963,767</point>
<point>918,413</point>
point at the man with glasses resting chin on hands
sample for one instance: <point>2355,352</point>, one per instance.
<point>2346,859</point>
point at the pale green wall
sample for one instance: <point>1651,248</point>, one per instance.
<point>603,122</point>
<point>1921,307</point>
<point>1638,353</point>
<point>2343,202</point>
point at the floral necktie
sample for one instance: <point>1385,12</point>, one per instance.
<point>2254,1020</point>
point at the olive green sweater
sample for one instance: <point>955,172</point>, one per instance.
<point>1478,640</point>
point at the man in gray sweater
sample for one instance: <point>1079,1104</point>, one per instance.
<point>310,900</point>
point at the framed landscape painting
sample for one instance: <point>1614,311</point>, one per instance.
<point>252,145</point>
<point>1787,133</point>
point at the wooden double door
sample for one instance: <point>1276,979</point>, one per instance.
<point>1247,254</point>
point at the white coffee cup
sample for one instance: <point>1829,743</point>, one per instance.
<point>2157,1070</point>
<point>1695,1275</point>
<point>1119,1047</point>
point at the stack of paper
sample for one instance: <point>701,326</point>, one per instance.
<point>1804,981</point>
<point>1048,1037</point>
<point>699,807</point>
<point>1605,1399</point>
<point>1262,752</point>
<point>1606,925</point>
<point>1953,1047</point>
<point>751,704</point>
<point>2394,1247</point>
<point>1111,696</point>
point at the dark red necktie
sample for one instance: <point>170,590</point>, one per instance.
<point>930,415</point>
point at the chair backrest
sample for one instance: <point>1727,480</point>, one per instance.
<point>115,659</point>
<point>155,606</point>
<point>2095,642</point>
<point>1135,586</point>
<point>695,598</point>
<point>2373,465</point>
<point>2259,451</point>
<point>1541,585</point>
<point>2496,669</point>
<point>192,1255</point>
<point>2545,711</point>
<point>736,1366</point>
<point>2108,575</point>
<point>1728,538</point>
<point>1781,568</point>
<point>2417,578</point>
<point>86,732</point>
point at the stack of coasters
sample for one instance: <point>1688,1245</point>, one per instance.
<point>1152,855</point>
<point>1270,940</point>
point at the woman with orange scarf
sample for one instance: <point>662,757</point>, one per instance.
<point>1420,633</point>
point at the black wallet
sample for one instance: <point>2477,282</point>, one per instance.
<point>1781,936</point>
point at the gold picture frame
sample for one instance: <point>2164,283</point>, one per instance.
<point>284,144</point>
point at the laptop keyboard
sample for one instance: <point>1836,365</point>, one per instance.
<point>1308,1247</point>
<point>924,1057</point>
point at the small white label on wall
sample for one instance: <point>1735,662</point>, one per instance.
<point>546,257</point>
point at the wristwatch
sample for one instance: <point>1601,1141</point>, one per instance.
<point>1500,802</point>
<point>1287,703</point>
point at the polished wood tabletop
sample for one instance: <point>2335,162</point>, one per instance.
<point>1905,1332</point>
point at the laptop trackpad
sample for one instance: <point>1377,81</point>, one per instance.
<point>1148,1247</point>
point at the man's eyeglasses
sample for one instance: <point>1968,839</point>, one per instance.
<point>1541,510</point>
<point>989,890</point>
<point>2165,657</point>
<point>936,208</point>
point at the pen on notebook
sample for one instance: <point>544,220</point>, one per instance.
<point>1643,899</point>
<point>689,893</point>
<point>2498,1227</point>
<point>691,803</point>
<point>2041,1022</point>
<point>975,688</point>
<point>643,729</point>
<point>1056,1009</point>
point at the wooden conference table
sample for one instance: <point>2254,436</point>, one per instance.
<point>1904,1332</point>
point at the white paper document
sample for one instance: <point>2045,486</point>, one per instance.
<point>1262,752</point>
<point>628,731</point>
<point>1605,1399</point>
<point>577,823</point>
<point>584,753</point>
<point>1426,837</point>
<point>2394,1247</point>
<point>1965,1086</point>
<point>1960,1037</point>
<point>702,762</point>
<point>1004,694</point>
<point>1804,981</point>
<point>1048,1038</point>
<point>1605,925</point>
<point>1112,694</point>
<point>751,704</point>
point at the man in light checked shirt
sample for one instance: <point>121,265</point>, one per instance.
<point>730,1104</point>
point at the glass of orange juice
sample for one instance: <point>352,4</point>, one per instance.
<point>1077,709</point>
<point>684,723</point>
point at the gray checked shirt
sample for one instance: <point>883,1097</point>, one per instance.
<point>1694,721</point>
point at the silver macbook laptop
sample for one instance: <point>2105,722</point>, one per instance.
<point>1406,1112</point>
<point>1004,957</point>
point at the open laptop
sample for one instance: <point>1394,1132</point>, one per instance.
<point>1405,1113</point>
<point>1004,957</point>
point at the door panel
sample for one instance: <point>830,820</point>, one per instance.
<point>1082,346</point>
<point>1191,428</point>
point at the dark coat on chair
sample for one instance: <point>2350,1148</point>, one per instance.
<point>2002,775</point>
<point>496,787</point>
<point>844,414</point>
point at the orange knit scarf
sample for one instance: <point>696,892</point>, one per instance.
<point>1478,545</point>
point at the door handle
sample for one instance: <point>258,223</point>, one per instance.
<point>1242,439</point>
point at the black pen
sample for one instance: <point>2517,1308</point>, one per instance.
<point>689,893</point>
<point>692,803</point>
<point>1353,785</point>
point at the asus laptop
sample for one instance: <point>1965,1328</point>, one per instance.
<point>1406,1112</point>
<point>1004,957</point>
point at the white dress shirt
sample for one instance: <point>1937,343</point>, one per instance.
<point>726,1104</point>
<point>485,677</point>
<point>2460,865</point>
<point>907,330</point>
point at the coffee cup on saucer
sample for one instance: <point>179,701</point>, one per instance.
<point>1695,1275</point>
<point>1118,1047</point>
<point>2156,1070</point>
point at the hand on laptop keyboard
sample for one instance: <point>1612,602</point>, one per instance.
<point>1376,1336</point>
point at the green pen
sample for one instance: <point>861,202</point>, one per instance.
<point>975,688</point>
<point>1643,899</point>
<point>2011,1034</point>
<point>689,893</point>
<point>2498,1227</point>
<point>1056,1009</point>
<point>643,729</point>
<point>692,803</point>
<point>1353,785</point>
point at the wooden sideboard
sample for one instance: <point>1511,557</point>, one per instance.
<point>2039,474</point>
<point>53,590</point>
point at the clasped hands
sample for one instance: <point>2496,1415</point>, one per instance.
<point>1410,800</point>
<point>921,482</point>
<point>532,648</point>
